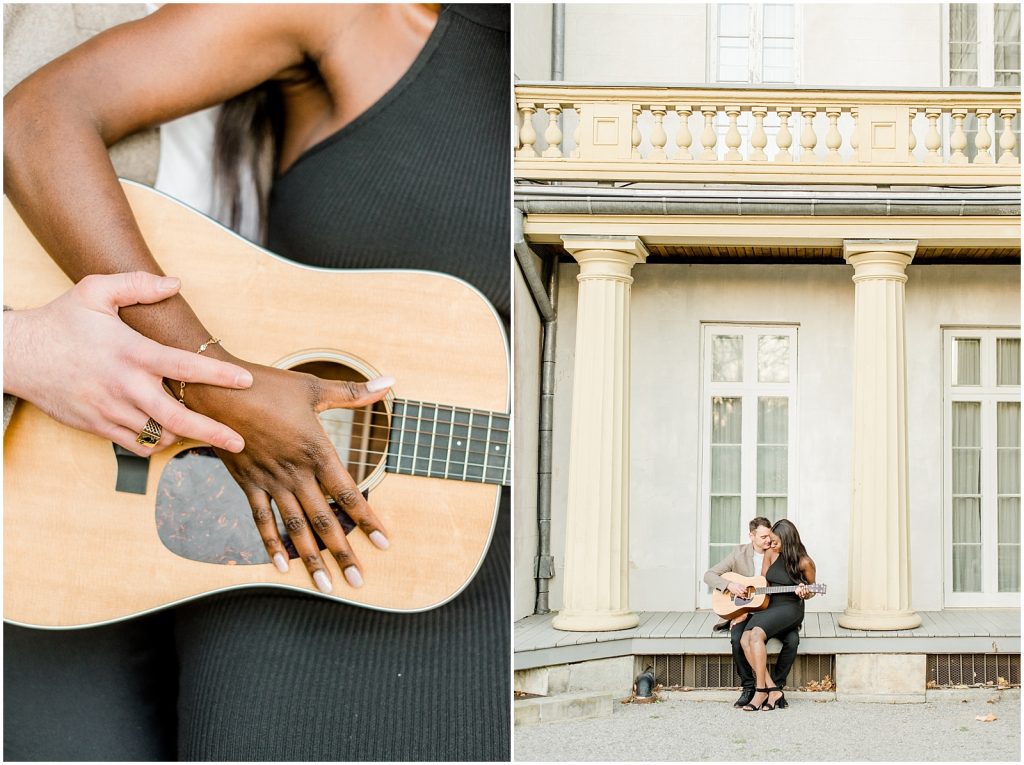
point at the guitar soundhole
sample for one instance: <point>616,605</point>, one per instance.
<point>203,515</point>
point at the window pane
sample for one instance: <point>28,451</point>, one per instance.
<point>966,423</point>
<point>1009,568</point>
<point>963,22</point>
<point>773,420</point>
<point>1007,22</point>
<point>725,469</point>
<point>1008,361</point>
<point>1008,465</point>
<point>727,358</point>
<point>772,508</point>
<point>1008,78</point>
<point>1009,520</point>
<point>773,358</point>
<point>967,361</point>
<point>778,21</point>
<point>1008,56</point>
<point>963,78</point>
<point>733,60</point>
<point>966,568</point>
<point>725,520</point>
<point>733,20</point>
<point>772,469</point>
<point>966,471</point>
<point>963,56</point>
<point>1008,423</point>
<point>966,520</point>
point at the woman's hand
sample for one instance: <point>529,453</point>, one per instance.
<point>79,363</point>
<point>289,459</point>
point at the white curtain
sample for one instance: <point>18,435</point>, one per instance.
<point>772,456</point>
<point>1008,361</point>
<point>726,456</point>
<point>1007,44</point>
<point>967,361</point>
<point>1008,488</point>
<point>963,44</point>
<point>966,479</point>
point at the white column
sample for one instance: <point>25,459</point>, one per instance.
<point>879,567</point>
<point>596,573</point>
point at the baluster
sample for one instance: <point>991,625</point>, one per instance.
<point>958,141</point>
<point>983,140</point>
<point>808,140</point>
<point>783,139</point>
<point>708,138</point>
<point>635,136</point>
<point>833,139</point>
<point>911,138</point>
<point>684,139</point>
<point>732,135</point>
<point>855,136</point>
<point>527,135</point>
<point>553,134</point>
<point>658,136</point>
<point>933,139</point>
<point>1007,141</point>
<point>576,133</point>
<point>758,139</point>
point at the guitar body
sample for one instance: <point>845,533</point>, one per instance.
<point>729,606</point>
<point>79,553</point>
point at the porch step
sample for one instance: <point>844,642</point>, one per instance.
<point>564,706</point>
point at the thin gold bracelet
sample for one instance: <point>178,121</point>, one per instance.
<point>203,347</point>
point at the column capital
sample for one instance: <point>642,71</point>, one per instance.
<point>605,257</point>
<point>879,258</point>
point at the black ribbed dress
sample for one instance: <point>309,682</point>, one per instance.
<point>420,180</point>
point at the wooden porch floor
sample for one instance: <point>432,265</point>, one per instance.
<point>988,630</point>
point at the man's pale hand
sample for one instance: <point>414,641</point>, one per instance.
<point>79,363</point>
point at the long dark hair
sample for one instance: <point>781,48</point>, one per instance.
<point>247,145</point>
<point>793,550</point>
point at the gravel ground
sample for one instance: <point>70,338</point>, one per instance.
<point>815,727</point>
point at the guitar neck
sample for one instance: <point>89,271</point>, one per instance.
<point>441,441</point>
<point>776,589</point>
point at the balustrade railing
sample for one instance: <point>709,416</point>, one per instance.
<point>606,132</point>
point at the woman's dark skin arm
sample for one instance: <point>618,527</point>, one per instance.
<point>179,60</point>
<point>809,571</point>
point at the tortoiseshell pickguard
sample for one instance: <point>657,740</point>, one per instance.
<point>203,515</point>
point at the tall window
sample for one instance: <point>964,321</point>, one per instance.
<point>982,484</point>
<point>984,44</point>
<point>755,43</point>
<point>748,415</point>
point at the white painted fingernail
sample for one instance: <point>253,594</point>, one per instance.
<point>243,379</point>
<point>168,282</point>
<point>233,445</point>
<point>353,576</point>
<point>281,563</point>
<point>322,582</point>
<point>380,540</point>
<point>378,384</point>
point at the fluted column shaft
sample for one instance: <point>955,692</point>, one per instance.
<point>596,573</point>
<point>879,568</point>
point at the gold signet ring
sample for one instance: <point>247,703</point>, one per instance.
<point>150,435</point>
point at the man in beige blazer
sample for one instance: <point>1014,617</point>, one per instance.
<point>748,560</point>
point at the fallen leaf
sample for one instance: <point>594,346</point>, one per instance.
<point>992,701</point>
<point>987,718</point>
<point>931,684</point>
<point>1002,683</point>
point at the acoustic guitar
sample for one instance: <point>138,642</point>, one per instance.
<point>92,535</point>
<point>755,598</point>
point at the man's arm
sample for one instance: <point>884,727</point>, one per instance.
<point>713,576</point>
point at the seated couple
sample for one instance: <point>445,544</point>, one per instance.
<point>776,553</point>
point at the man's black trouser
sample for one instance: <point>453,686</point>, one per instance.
<point>790,642</point>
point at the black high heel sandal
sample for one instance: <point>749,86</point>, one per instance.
<point>751,708</point>
<point>765,706</point>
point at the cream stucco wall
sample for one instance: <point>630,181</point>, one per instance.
<point>635,42</point>
<point>526,357</point>
<point>669,304</point>
<point>532,41</point>
<point>838,44</point>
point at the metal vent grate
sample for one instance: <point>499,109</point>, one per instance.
<point>973,668</point>
<point>716,671</point>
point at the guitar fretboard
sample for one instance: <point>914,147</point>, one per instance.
<point>819,588</point>
<point>441,441</point>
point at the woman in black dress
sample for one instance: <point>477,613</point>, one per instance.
<point>787,565</point>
